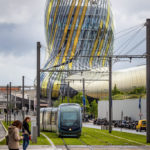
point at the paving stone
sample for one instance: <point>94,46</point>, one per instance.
<point>2,132</point>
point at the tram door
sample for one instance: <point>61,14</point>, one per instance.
<point>47,120</point>
<point>53,121</point>
<point>41,120</point>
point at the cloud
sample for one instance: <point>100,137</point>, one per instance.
<point>128,13</point>
<point>20,11</point>
<point>13,68</point>
<point>21,25</point>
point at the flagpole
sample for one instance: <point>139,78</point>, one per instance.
<point>140,107</point>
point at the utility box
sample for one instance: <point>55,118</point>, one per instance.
<point>34,132</point>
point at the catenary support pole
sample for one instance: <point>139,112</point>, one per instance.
<point>38,89</point>
<point>68,91</point>
<point>23,98</point>
<point>7,105</point>
<point>84,98</point>
<point>10,104</point>
<point>29,103</point>
<point>15,101</point>
<point>110,94</point>
<point>148,78</point>
<point>49,98</point>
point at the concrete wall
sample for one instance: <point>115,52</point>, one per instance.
<point>129,107</point>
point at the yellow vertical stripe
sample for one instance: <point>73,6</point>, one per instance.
<point>68,22</point>
<point>106,52</point>
<point>65,30</point>
<point>105,30</point>
<point>48,14</point>
<point>108,17</point>
<point>72,30</point>
<point>78,31</point>
<point>44,85</point>
<point>54,19</point>
<point>56,86</point>
<point>96,43</point>
<point>51,46</point>
<point>100,47</point>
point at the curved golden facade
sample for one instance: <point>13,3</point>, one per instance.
<point>76,31</point>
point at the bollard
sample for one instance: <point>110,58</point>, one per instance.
<point>34,132</point>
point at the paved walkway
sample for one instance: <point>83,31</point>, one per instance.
<point>91,125</point>
<point>80,147</point>
<point>2,132</point>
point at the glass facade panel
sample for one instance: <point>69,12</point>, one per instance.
<point>75,28</point>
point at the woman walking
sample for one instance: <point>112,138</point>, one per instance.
<point>13,135</point>
<point>26,133</point>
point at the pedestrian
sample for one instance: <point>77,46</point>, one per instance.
<point>26,132</point>
<point>13,135</point>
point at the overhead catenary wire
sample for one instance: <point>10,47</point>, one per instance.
<point>138,44</point>
<point>127,29</point>
<point>128,41</point>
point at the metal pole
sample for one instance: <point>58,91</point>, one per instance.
<point>38,88</point>
<point>10,104</point>
<point>68,90</point>
<point>50,100</point>
<point>23,97</point>
<point>29,104</point>
<point>121,119</point>
<point>83,98</point>
<point>141,109</point>
<point>148,78</point>
<point>110,94</point>
<point>15,100</point>
<point>7,105</point>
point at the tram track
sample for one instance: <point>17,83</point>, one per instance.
<point>99,139</point>
<point>89,146</point>
<point>66,146</point>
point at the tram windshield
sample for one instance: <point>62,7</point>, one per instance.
<point>70,115</point>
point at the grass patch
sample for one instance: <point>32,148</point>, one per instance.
<point>54,137</point>
<point>3,142</point>
<point>40,140</point>
<point>131,136</point>
<point>99,137</point>
<point>92,137</point>
<point>5,124</point>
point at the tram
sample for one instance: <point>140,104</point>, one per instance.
<point>66,120</point>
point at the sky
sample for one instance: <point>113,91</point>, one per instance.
<point>22,25</point>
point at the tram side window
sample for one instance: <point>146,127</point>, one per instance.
<point>53,118</point>
<point>41,116</point>
<point>48,116</point>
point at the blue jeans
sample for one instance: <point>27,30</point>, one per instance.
<point>25,141</point>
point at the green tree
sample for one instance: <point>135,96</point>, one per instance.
<point>76,99</point>
<point>138,90</point>
<point>116,91</point>
<point>94,109</point>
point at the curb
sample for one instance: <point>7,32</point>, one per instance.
<point>50,141</point>
<point>5,131</point>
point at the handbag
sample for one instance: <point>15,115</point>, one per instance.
<point>7,139</point>
<point>29,137</point>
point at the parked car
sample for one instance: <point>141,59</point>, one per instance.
<point>99,121</point>
<point>141,125</point>
<point>134,124</point>
<point>95,120</point>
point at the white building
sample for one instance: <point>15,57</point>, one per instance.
<point>129,108</point>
